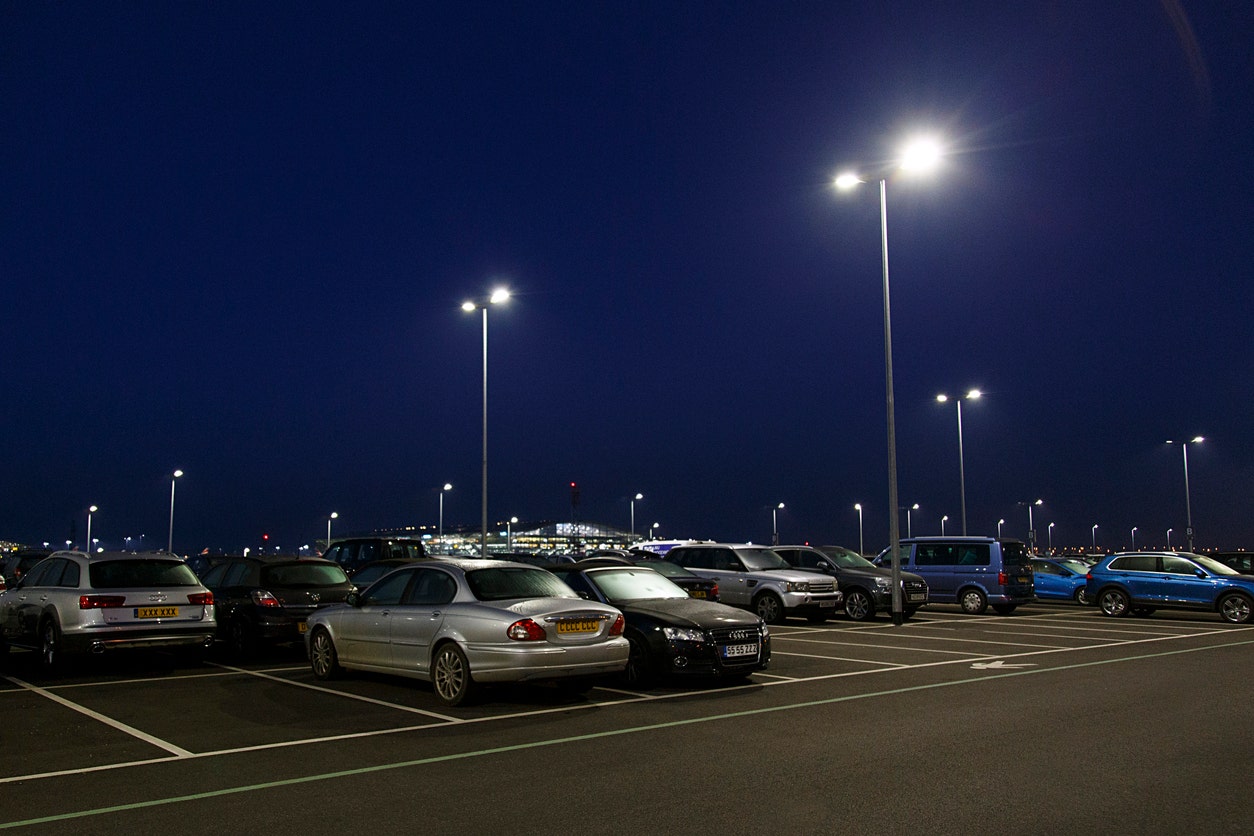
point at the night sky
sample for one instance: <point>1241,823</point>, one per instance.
<point>235,237</point>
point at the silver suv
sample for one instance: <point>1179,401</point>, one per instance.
<point>72,602</point>
<point>759,579</point>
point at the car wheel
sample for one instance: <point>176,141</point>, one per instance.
<point>859,606</point>
<point>322,656</point>
<point>1235,609</point>
<point>639,672</point>
<point>450,675</point>
<point>769,608</point>
<point>1004,609</point>
<point>242,639</point>
<point>50,646</point>
<point>1114,602</point>
<point>1082,596</point>
<point>973,601</point>
<point>907,614</point>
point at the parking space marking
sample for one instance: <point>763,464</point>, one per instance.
<point>843,659</point>
<point>889,647</point>
<point>100,718</point>
<point>539,744</point>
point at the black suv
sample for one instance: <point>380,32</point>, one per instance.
<point>18,563</point>
<point>867,587</point>
<point>354,552</point>
<point>265,600</point>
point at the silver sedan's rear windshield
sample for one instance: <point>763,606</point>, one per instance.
<point>516,582</point>
<point>125,574</point>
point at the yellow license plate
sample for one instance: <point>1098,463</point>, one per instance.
<point>302,627</point>
<point>157,612</point>
<point>589,626</point>
<point>697,593</point>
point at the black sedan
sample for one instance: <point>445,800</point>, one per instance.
<point>695,585</point>
<point>669,632</point>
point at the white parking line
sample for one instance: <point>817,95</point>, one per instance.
<point>843,659</point>
<point>885,647</point>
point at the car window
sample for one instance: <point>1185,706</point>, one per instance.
<point>1178,566</point>
<point>70,574</point>
<point>624,585</point>
<point>365,576</point>
<point>973,554</point>
<point>936,554</point>
<point>335,553</point>
<point>577,582</point>
<point>1135,563</point>
<point>1214,566</point>
<point>214,576</point>
<point>757,560</point>
<point>431,586</point>
<point>293,575</point>
<point>516,582</point>
<point>121,574</point>
<point>366,552</point>
<point>665,567</point>
<point>1042,567</point>
<point>42,571</point>
<point>236,574</point>
<point>388,591</point>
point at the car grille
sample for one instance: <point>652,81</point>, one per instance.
<point>724,636</point>
<point>822,586</point>
<point>914,586</point>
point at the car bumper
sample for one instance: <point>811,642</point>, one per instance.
<point>803,603</point>
<point>539,662</point>
<point>99,641</point>
<point>701,659</point>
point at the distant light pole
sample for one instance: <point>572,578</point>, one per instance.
<point>909,528</point>
<point>509,533</point>
<point>944,520</point>
<point>440,529</point>
<point>775,524</point>
<point>1134,538</point>
<point>87,545</point>
<point>633,514</point>
<point>858,507</point>
<point>334,516</point>
<point>1188,509</point>
<point>1000,523</point>
<point>1031,526</point>
<point>919,155</point>
<point>653,533</point>
<point>169,546</point>
<point>1169,538</point>
<point>1050,532</point>
<point>499,296</point>
<point>1094,536</point>
<point>974,394</point>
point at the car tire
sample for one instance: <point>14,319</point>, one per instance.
<point>450,675</point>
<point>908,614</point>
<point>241,638</point>
<point>769,608</point>
<point>50,646</point>
<point>1082,596</point>
<point>1235,609</point>
<point>859,605</point>
<point>639,672</point>
<point>1114,603</point>
<point>322,656</point>
<point>1004,609</point>
<point>973,601</point>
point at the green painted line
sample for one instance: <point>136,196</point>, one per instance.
<point>366,770</point>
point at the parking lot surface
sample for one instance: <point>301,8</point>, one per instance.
<point>1052,718</point>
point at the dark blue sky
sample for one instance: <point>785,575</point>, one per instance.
<point>234,238</point>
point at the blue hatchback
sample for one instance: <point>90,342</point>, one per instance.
<point>1141,582</point>
<point>1060,579</point>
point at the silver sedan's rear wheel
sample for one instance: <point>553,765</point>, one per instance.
<point>322,656</point>
<point>1235,609</point>
<point>1114,602</point>
<point>450,675</point>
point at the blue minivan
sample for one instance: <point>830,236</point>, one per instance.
<point>973,572</point>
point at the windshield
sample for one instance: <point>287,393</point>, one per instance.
<point>846,559</point>
<point>122,574</point>
<point>1211,565</point>
<point>623,585</point>
<point>1077,566</point>
<point>665,567</point>
<point>294,575</point>
<point>756,560</point>
<point>516,582</point>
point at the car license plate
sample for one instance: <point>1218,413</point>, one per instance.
<point>827,603</point>
<point>156,612</point>
<point>733,650</point>
<point>585,626</point>
<point>1023,580</point>
<point>916,596</point>
<point>302,627</point>
<point>696,593</point>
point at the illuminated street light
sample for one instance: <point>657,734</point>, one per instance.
<point>858,507</point>
<point>917,156</point>
<point>334,516</point>
<point>169,546</point>
<point>633,514</point>
<point>1169,538</point>
<point>509,533</point>
<point>1049,530</point>
<point>440,529</point>
<point>1095,537</point>
<point>775,524</point>
<point>910,508</point>
<point>499,296</point>
<point>87,544</point>
<point>1031,527</point>
<point>974,394</point>
<point>653,531</point>
<point>1000,523</point>
<point>1188,509</point>
<point>1134,538</point>
<point>944,520</point>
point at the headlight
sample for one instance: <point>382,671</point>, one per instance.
<point>797,586</point>
<point>682,634</point>
<point>883,583</point>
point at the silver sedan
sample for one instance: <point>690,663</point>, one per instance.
<point>460,623</point>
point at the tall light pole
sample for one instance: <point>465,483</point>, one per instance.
<point>974,394</point>
<point>1000,523</point>
<point>1031,527</point>
<point>775,524</point>
<point>1188,509</point>
<point>858,507</point>
<point>633,514</point>
<point>653,531</point>
<point>909,508</point>
<point>1134,538</point>
<point>334,516</point>
<point>1094,536</point>
<point>499,296</point>
<point>1169,538</point>
<point>87,544</point>
<point>944,520</point>
<point>169,546</point>
<point>440,529</point>
<point>1049,530</point>
<point>919,155</point>
<point>509,533</point>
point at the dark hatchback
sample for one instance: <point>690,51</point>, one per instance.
<point>264,601</point>
<point>671,633</point>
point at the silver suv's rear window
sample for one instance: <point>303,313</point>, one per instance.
<point>125,574</point>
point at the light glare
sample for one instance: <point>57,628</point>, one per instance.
<point>922,154</point>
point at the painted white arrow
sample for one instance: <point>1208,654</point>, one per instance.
<point>998,665</point>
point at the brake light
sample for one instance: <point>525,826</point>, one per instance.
<point>1088,576</point>
<point>100,602</point>
<point>714,591</point>
<point>1002,578</point>
<point>264,599</point>
<point>525,630</point>
<point>204,599</point>
<point>619,624</point>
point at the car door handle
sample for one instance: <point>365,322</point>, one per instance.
<point>436,614</point>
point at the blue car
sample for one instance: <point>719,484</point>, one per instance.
<point>1060,579</point>
<point>1141,582</point>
